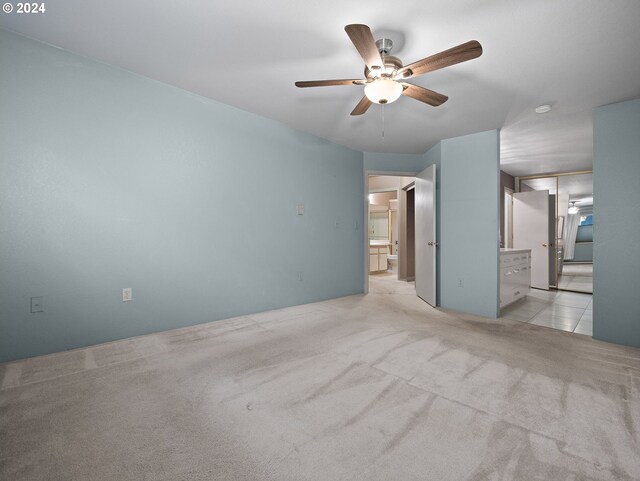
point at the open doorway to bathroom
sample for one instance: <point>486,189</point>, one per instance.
<point>391,229</point>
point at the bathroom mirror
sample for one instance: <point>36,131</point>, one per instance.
<point>379,223</point>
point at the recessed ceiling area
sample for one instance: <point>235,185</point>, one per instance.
<point>573,55</point>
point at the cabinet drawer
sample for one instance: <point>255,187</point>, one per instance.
<point>507,295</point>
<point>506,260</point>
<point>506,273</point>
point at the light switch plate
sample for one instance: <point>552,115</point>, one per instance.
<point>37,304</point>
<point>300,209</point>
<point>127,294</point>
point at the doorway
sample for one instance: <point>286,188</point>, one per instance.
<point>409,261</point>
<point>401,238</point>
<point>390,240</point>
<point>570,227</point>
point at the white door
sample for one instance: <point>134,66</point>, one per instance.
<point>425,229</point>
<point>531,231</point>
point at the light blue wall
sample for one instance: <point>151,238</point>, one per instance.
<point>404,163</point>
<point>616,227</point>
<point>111,180</point>
<point>434,157</point>
<point>469,225</point>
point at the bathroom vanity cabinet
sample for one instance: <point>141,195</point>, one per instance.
<point>378,257</point>
<point>515,275</point>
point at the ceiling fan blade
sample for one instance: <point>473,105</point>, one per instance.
<point>461,53</point>
<point>328,83</point>
<point>362,39</point>
<point>424,95</point>
<point>362,106</point>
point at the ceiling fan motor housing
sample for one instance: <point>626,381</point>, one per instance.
<point>384,46</point>
<point>391,63</point>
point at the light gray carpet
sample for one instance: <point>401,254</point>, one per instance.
<point>376,387</point>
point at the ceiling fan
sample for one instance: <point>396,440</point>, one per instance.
<point>385,75</point>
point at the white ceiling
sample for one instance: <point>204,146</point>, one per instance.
<point>573,54</point>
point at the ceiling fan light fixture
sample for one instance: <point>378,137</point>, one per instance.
<point>573,209</point>
<point>383,90</point>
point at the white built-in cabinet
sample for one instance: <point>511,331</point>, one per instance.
<point>515,275</point>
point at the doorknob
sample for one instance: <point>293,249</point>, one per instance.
<point>429,243</point>
<point>544,245</point>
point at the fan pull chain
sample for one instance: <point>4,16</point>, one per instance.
<point>383,121</point>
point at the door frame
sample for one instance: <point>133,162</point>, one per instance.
<point>365,217</point>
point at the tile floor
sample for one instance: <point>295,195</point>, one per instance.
<point>567,311</point>
<point>576,277</point>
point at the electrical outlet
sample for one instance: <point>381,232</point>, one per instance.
<point>300,209</point>
<point>127,294</point>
